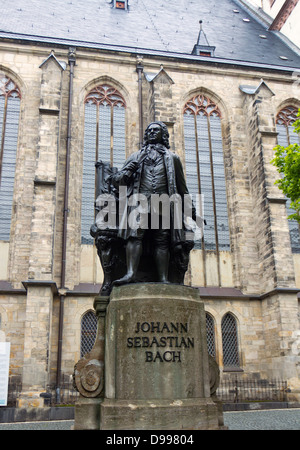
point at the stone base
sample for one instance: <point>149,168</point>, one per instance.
<point>186,414</point>
<point>87,414</point>
<point>157,371</point>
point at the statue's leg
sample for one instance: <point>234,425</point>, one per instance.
<point>162,257</point>
<point>134,250</point>
<point>104,250</point>
<point>162,254</point>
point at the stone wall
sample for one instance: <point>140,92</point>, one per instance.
<point>164,100</point>
<point>260,259</point>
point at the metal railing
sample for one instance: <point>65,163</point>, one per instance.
<point>238,390</point>
<point>14,389</point>
<point>231,390</point>
<point>67,394</point>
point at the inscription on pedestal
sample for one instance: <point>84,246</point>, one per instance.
<point>163,340</point>
<point>156,343</point>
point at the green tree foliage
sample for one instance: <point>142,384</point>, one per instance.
<point>287,161</point>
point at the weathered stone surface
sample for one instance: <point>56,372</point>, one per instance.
<point>197,414</point>
<point>37,339</point>
<point>156,343</point>
<point>87,414</point>
<point>88,374</point>
<point>156,361</point>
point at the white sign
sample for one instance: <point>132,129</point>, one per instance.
<point>4,371</point>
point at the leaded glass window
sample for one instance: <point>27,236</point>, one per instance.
<point>230,342</point>
<point>210,335</point>
<point>104,139</point>
<point>205,169</point>
<point>10,97</point>
<point>286,136</point>
<point>88,332</point>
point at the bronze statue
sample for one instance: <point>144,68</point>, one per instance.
<point>147,250</point>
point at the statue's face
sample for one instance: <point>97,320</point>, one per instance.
<point>154,134</point>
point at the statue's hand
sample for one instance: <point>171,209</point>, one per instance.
<point>93,230</point>
<point>132,167</point>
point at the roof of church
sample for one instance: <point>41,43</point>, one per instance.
<point>161,27</point>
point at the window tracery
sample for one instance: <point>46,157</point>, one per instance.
<point>104,139</point>
<point>88,332</point>
<point>10,97</point>
<point>230,342</point>
<point>201,104</point>
<point>205,171</point>
<point>286,136</point>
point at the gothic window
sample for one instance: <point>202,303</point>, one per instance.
<point>210,335</point>
<point>10,97</point>
<point>88,332</point>
<point>286,136</point>
<point>104,139</point>
<point>205,169</point>
<point>230,342</point>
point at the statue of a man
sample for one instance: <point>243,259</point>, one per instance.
<point>153,170</point>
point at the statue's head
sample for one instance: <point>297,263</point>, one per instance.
<point>157,132</point>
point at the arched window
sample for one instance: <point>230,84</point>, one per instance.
<point>104,139</point>
<point>205,168</point>
<point>210,335</point>
<point>88,332</point>
<point>230,342</point>
<point>286,136</point>
<point>10,97</point>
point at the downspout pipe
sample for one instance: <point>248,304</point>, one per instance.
<point>72,61</point>
<point>139,69</point>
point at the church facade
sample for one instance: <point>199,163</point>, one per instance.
<point>66,103</point>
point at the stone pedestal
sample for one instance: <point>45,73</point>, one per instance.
<point>158,374</point>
